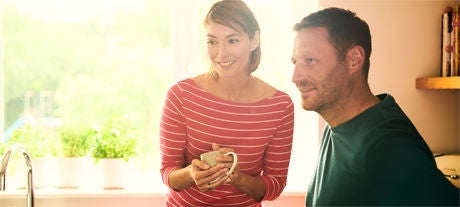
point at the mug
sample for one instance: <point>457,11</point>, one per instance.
<point>210,159</point>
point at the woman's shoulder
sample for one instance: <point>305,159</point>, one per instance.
<point>183,84</point>
<point>182,88</point>
<point>271,92</point>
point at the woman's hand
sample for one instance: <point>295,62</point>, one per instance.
<point>227,161</point>
<point>207,178</point>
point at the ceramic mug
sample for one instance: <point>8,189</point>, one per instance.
<point>210,159</point>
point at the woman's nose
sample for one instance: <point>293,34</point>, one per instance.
<point>222,50</point>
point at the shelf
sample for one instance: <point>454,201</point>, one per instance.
<point>438,83</point>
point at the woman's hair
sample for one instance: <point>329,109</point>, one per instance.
<point>236,15</point>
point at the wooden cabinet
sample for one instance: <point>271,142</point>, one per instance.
<point>438,83</point>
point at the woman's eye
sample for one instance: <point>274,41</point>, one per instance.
<point>211,42</point>
<point>232,41</point>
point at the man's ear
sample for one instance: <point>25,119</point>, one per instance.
<point>355,58</point>
<point>255,41</point>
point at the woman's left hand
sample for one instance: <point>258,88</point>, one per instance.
<point>228,161</point>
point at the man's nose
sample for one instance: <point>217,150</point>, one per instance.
<point>296,76</point>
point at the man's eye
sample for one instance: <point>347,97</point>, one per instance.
<point>309,60</point>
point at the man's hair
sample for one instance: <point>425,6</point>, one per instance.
<point>345,29</point>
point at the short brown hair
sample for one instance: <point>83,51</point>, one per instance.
<point>345,30</point>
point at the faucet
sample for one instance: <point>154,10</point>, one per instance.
<point>4,165</point>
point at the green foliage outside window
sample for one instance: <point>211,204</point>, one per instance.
<point>94,68</point>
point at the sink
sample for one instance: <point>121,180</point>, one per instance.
<point>28,162</point>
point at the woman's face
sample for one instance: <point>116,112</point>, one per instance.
<point>229,50</point>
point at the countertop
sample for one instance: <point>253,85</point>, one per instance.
<point>450,165</point>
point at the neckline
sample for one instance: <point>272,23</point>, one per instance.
<point>194,84</point>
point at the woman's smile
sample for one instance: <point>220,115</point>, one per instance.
<point>226,63</point>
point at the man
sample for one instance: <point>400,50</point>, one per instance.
<point>370,153</point>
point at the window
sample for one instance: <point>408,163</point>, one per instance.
<point>77,58</point>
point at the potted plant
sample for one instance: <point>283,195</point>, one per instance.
<point>115,145</point>
<point>40,143</point>
<point>76,140</point>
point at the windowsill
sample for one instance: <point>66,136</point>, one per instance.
<point>84,197</point>
<point>52,193</point>
<point>93,197</point>
<point>145,190</point>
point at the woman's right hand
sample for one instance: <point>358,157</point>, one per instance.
<point>205,176</point>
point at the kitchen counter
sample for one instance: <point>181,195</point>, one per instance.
<point>450,165</point>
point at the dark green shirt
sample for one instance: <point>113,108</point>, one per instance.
<point>378,158</point>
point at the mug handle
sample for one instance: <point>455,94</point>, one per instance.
<point>235,161</point>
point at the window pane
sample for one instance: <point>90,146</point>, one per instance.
<point>68,59</point>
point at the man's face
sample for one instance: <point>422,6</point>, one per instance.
<point>318,73</point>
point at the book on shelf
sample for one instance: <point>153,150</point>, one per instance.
<point>450,42</point>
<point>445,41</point>
<point>455,71</point>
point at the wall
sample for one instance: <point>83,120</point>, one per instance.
<point>406,45</point>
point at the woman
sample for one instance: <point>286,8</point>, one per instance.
<point>226,109</point>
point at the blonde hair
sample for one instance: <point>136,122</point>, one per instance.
<point>236,15</point>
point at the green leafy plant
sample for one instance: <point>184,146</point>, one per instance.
<point>36,138</point>
<point>76,138</point>
<point>117,138</point>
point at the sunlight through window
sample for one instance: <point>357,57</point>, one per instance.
<point>82,59</point>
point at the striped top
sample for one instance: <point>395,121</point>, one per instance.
<point>260,133</point>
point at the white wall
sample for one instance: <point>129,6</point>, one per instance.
<point>406,45</point>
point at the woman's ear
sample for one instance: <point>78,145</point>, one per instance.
<point>255,41</point>
<point>355,57</point>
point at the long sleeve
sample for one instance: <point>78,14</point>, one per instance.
<point>278,156</point>
<point>172,135</point>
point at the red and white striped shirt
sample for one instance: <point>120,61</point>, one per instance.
<point>260,133</point>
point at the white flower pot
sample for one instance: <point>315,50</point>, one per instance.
<point>72,171</point>
<point>115,173</point>
<point>44,172</point>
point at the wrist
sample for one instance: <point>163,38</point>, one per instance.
<point>239,179</point>
<point>188,175</point>
<point>180,179</point>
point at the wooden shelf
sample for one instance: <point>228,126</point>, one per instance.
<point>438,83</point>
